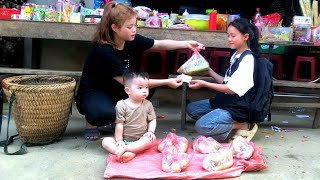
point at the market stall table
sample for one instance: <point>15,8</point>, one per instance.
<point>49,42</point>
<point>272,44</point>
<point>84,32</point>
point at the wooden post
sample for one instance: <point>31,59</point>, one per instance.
<point>316,119</point>
<point>183,105</point>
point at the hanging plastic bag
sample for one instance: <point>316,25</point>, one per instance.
<point>197,64</point>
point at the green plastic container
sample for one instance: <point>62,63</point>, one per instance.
<point>197,21</point>
<point>208,11</point>
<point>264,48</point>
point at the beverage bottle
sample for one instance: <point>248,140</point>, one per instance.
<point>185,14</point>
<point>213,20</point>
<point>125,2</point>
<point>257,20</point>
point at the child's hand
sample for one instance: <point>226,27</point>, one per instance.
<point>120,144</point>
<point>150,135</point>
<point>196,84</point>
<point>174,82</point>
<point>120,149</point>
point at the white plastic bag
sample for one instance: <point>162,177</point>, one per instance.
<point>219,160</point>
<point>195,65</point>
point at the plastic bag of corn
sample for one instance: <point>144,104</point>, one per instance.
<point>197,64</point>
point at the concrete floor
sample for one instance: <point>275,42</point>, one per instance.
<point>289,155</point>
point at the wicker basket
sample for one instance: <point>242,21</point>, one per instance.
<point>41,105</point>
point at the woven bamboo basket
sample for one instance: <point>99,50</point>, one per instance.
<point>41,105</point>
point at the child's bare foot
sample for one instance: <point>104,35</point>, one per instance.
<point>119,152</point>
<point>127,156</point>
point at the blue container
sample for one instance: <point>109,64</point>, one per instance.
<point>264,48</point>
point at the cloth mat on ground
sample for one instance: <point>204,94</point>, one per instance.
<point>147,165</point>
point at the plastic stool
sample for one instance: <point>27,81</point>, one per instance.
<point>277,62</point>
<point>313,70</point>
<point>178,61</point>
<point>164,69</point>
<point>214,59</point>
<point>207,53</point>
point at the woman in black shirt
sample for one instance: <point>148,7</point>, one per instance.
<point>116,47</point>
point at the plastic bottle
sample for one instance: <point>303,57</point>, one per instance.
<point>126,2</point>
<point>185,14</point>
<point>257,20</point>
<point>213,20</point>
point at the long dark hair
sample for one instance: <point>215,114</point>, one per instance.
<point>244,26</point>
<point>114,13</point>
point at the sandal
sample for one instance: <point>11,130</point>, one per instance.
<point>247,134</point>
<point>91,134</point>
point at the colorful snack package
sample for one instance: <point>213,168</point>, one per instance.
<point>49,15</point>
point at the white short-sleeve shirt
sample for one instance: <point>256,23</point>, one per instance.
<point>242,79</point>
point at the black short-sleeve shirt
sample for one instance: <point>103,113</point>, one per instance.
<point>104,63</point>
